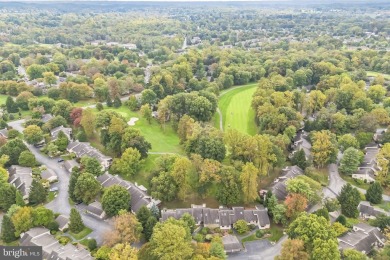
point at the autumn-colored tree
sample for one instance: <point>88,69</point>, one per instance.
<point>293,249</point>
<point>383,160</point>
<point>180,173</point>
<point>146,112</point>
<point>295,203</point>
<point>129,163</point>
<point>123,251</point>
<point>249,182</point>
<point>22,220</point>
<point>88,121</point>
<point>76,115</point>
<point>33,134</point>
<point>324,148</point>
<point>127,229</point>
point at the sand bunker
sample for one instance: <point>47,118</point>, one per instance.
<point>132,121</point>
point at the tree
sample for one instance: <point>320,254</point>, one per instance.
<point>339,229</point>
<point>309,228</point>
<point>323,212</point>
<point>62,108</point>
<point>132,103</point>
<point>37,194</point>
<point>189,221</point>
<point>376,93</point>
<point>295,204</point>
<point>299,186</point>
<point>325,249</point>
<point>72,185</point>
<point>132,138</point>
<point>76,224</point>
<point>149,226</point>
<point>350,161</point>
<point>342,220</point>
<point>293,249</point>
<point>148,97</point>
<point>88,122</point>
<point>62,141</point>
<point>331,204</point>
<point>49,78</point>
<point>13,149</point>
<point>324,149</point>
<point>170,241</point>
<point>271,203</point>
<point>346,141</point>
<point>7,196</point>
<point>349,199</point>
<point>217,250</point>
<point>33,134</point>
<point>115,198</point>
<point>36,71</point>
<point>352,254</point>
<point>180,171</point>
<point>123,251</point>
<point>129,163</point>
<point>143,215</point>
<point>22,220</point>
<point>382,221</point>
<point>87,188</point>
<point>12,107</point>
<point>228,189</point>
<point>127,229</point>
<point>383,161</point>
<point>23,98</point>
<point>7,230</point>
<point>299,159</point>
<point>27,159</point>
<point>279,214</point>
<point>19,199</point>
<point>117,102</point>
<point>103,253</point>
<point>374,193</point>
<point>241,226</point>
<point>146,112</point>
<point>164,187</point>
<point>248,180</point>
<point>91,165</point>
<point>42,216</point>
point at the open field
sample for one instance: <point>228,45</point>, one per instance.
<point>236,110</point>
<point>374,74</point>
<point>162,140</point>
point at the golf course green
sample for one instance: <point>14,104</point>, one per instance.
<point>236,110</point>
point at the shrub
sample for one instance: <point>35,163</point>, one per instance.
<point>252,227</point>
<point>92,245</point>
<point>99,106</point>
<point>64,240</point>
<point>53,226</point>
<point>209,237</point>
<point>342,220</point>
<point>205,231</point>
<point>199,238</point>
<point>260,233</point>
<point>241,226</point>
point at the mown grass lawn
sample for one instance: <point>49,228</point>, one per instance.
<point>237,113</point>
<point>144,176</point>
<point>3,99</point>
<point>276,232</point>
<point>163,140</point>
<point>83,233</point>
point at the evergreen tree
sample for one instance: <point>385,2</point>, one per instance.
<point>349,199</point>
<point>72,184</point>
<point>109,101</point>
<point>7,196</point>
<point>75,222</point>
<point>19,199</point>
<point>117,102</point>
<point>7,230</point>
<point>299,159</point>
<point>38,193</point>
<point>149,225</point>
<point>374,193</point>
<point>143,215</point>
<point>155,211</point>
<point>12,107</point>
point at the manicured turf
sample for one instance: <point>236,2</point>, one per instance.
<point>83,233</point>
<point>3,98</point>
<point>237,113</point>
<point>162,140</point>
<point>374,74</point>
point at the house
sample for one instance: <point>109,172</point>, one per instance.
<point>46,117</point>
<point>368,168</point>
<point>66,130</point>
<point>95,209</point>
<point>231,244</point>
<point>70,164</point>
<point>138,194</point>
<point>279,188</point>
<point>4,133</point>
<point>51,248</point>
<point>223,218</point>
<point>368,211</point>
<point>49,175</point>
<point>363,238</point>
<point>21,178</point>
<point>301,141</point>
<point>379,134</point>
<point>81,149</point>
<point>63,222</point>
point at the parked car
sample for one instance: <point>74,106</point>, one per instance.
<point>60,160</point>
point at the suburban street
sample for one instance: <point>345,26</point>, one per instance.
<point>61,203</point>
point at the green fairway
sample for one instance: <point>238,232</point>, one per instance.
<point>162,140</point>
<point>236,110</point>
<point>375,74</point>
